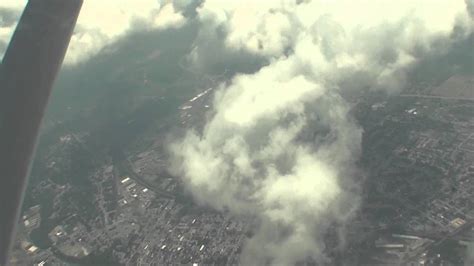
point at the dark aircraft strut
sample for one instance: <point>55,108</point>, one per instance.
<point>27,73</point>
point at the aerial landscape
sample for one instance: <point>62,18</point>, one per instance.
<point>216,132</point>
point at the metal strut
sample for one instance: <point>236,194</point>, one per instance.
<point>27,73</point>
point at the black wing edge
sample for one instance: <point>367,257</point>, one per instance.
<point>27,73</point>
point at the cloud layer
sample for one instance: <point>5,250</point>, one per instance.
<point>102,22</point>
<point>280,145</point>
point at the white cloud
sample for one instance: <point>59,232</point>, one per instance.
<point>245,105</point>
<point>102,22</point>
<point>6,27</point>
<point>168,17</point>
<point>251,158</point>
<point>259,153</point>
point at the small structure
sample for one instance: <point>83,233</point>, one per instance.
<point>456,223</point>
<point>32,249</point>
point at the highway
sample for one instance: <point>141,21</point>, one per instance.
<point>416,254</point>
<point>435,97</point>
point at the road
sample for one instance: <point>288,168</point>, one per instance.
<point>413,256</point>
<point>435,97</point>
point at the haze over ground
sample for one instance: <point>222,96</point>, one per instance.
<point>254,157</point>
